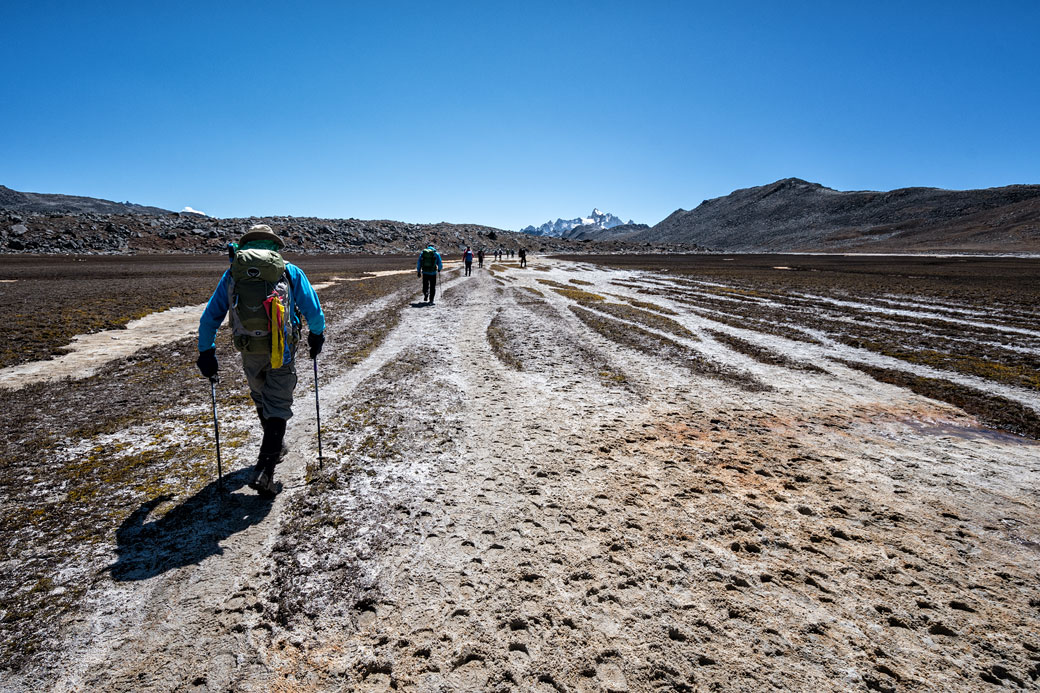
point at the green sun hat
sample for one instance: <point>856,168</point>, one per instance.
<point>261,236</point>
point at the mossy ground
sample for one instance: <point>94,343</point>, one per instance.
<point>966,316</point>
<point>652,343</point>
<point>762,354</point>
<point>499,338</point>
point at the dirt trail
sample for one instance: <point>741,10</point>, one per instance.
<point>599,519</point>
<point>89,352</point>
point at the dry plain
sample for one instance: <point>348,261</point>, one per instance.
<point>593,474</point>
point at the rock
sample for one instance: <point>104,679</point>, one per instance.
<point>18,230</point>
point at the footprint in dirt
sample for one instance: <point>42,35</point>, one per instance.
<point>187,534</point>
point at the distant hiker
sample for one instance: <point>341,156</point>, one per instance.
<point>467,257</point>
<point>427,267</point>
<point>480,258</point>
<point>266,296</point>
<point>523,257</point>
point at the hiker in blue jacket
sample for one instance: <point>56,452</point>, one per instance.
<point>258,284</point>
<point>427,267</point>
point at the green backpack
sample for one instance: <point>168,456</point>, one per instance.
<point>429,260</point>
<point>256,275</point>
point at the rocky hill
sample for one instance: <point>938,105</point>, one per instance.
<point>46,203</point>
<point>92,233</point>
<point>68,224</point>
<point>795,215</point>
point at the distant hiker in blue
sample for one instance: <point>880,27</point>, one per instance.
<point>427,267</point>
<point>467,257</point>
<point>265,296</point>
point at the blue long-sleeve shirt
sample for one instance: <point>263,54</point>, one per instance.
<point>437,256</point>
<point>303,297</point>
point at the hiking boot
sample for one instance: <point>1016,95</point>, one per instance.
<point>263,463</point>
<point>258,471</point>
<point>263,472</point>
<point>265,485</point>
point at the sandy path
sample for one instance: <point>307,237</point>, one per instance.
<point>90,352</point>
<point>562,529</point>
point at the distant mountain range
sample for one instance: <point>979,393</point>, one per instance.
<point>790,215</point>
<point>559,229</point>
<point>796,215</point>
<point>47,203</point>
<point>66,224</point>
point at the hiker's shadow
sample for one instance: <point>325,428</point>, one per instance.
<point>421,304</point>
<point>189,532</point>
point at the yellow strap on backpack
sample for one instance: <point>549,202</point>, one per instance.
<point>276,314</point>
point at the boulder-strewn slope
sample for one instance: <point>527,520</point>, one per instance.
<point>66,224</point>
<point>46,203</point>
<point>127,234</point>
<point>795,215</point>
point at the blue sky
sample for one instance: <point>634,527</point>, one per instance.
<point>510,114</point>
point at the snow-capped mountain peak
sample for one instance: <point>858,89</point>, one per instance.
<point>598,220</point>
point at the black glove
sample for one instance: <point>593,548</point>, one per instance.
<point>207,363</point>
<point>314,341</point>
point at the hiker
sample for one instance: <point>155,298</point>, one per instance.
<point>480,258</point>
<point>467,257</point>
<point>266,295</point>
<point>523,257</point>
<point>427,267</point>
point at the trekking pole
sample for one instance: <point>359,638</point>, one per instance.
<point>216,430</point>
<point>317,412</point>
